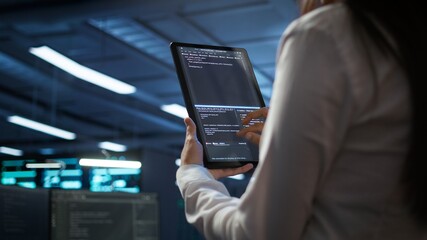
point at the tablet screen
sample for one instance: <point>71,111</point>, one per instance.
<point>220,89</point>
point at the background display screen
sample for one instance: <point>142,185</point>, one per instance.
<point>24,213</point>
<point>84,215</point>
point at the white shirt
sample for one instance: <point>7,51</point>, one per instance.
<point>333,147</point>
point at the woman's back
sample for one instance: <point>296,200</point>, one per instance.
<point>360,193</point>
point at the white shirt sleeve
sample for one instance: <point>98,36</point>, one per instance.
<point>309,113</point>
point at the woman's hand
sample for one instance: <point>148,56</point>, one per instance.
<point>192,153</point>
<point>226,172</point>
<point>253,132</point>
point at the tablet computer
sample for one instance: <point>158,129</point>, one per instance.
<point>219,88</point>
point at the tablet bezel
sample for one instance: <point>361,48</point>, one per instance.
<point>190,104</point>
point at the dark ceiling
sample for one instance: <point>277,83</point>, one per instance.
<point>128,40</point>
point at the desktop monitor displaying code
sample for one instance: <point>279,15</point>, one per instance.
<point>24,213</point>
<point>84,215</point>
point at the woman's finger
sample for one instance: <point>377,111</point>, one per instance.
<point>262,112</point>
<point>256,128</point>
<point>191,128</point>
<point>253,138</point>
<point>192,153</point>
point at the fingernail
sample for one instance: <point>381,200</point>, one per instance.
<point>248,136</point>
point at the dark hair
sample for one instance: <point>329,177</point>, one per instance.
<point>405,21</point>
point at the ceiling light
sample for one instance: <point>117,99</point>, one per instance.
<point>43,165</point>
<point>89,162</point>
<point>24,122</point>
<point>11,151</point>
<point>237,177</point>
<point>84,73</point>
<point>175,109</point>
<point>112,146</point>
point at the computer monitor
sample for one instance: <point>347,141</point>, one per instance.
<point>14,173</point>
<point>88,215</point>
<point>24,213</point>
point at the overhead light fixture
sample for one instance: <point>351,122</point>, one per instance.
<point>90,162</point>
<point>115,147</point>
<point>43,165</point>
<point>24,122</point>
<point>11,151</point>
<point>237,177</point>
<point>84,73</point>
<point>175,109</point>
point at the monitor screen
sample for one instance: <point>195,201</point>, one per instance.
<point>70,177</point>
<point>114,180</point>
<point>14,172</point>
<point>24,213</point>
<point>88,215</point>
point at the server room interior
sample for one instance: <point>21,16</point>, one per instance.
<point>50,53</point>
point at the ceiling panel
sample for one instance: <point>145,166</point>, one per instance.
<point>178,29</point>
<point>217,5</point>
<point>126,68</point>
<point>160,87</point>
<point>178,99</point>
<point>242,24</point>
<point>37,28</point>
<point>269,69</point>
<point>261,52</point>
<point>80,47</point>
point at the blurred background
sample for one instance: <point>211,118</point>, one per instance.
<point>57,115</point>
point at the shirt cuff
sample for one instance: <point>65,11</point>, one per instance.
<point>192,173</point>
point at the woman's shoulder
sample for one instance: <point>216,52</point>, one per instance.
<point>331,19</point>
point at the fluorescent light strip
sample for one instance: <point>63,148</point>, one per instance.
<point>89,162</point>
<point>80,71</point>
<point>43,165</point>
<point>24,122</point>
<point>175,109</point>
<point>112,146</point>
<point>237,177</point>
<point>11,151</point>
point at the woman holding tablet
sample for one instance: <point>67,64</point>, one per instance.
<point>341,155</point>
